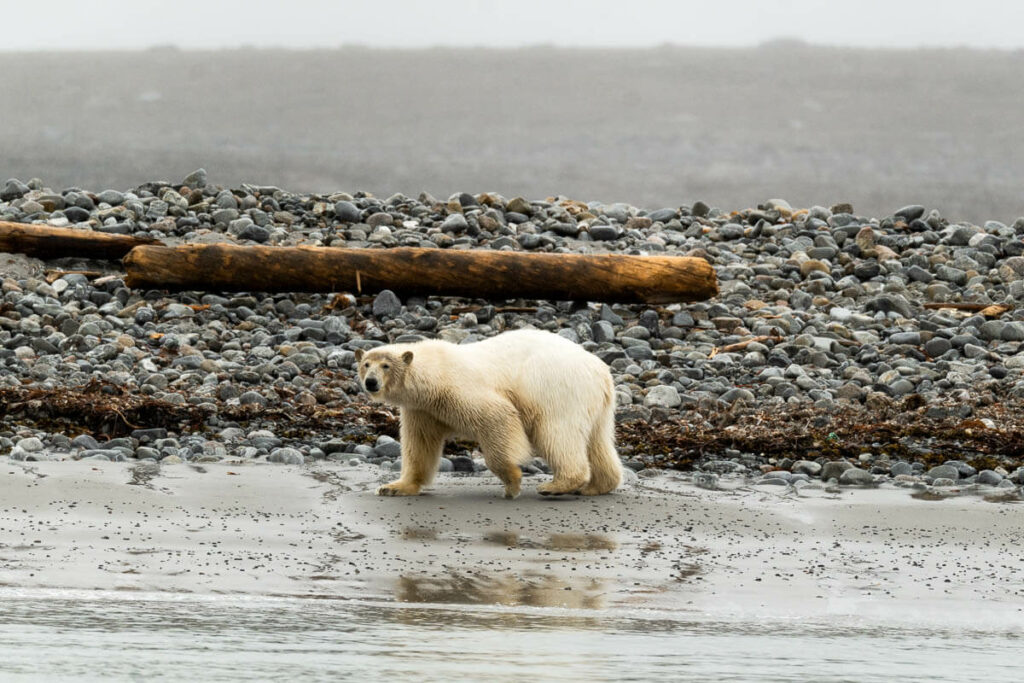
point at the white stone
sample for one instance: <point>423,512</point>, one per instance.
<point>662,396</point>
<point>30,445</point>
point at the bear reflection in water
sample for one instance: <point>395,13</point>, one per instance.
<point>476,588</point>
<point>512,539</point>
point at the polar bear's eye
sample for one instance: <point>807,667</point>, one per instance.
<point>385,366</point>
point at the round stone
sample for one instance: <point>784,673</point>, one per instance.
<point>855,476</point>
<point>834,469</point>
<point>253,397</point>
<point>347,212</point>
<point>944,472</point>
<point>455,223</point>
<point>989,478</point>
<point>662,396</point>
<point>386,305</point>
<point>30,445</point>
<point>603,232</point>
<point>286,456</point>
<point>936,346</point>
<point>901,468</point>
<point>195,180</point>
<point>388,448</point>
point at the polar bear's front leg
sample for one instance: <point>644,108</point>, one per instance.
<point>422,439</point>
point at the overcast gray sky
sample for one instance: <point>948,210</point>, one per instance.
<point>123,24</point>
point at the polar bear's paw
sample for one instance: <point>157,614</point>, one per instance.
<point>554,488</point>
<point>398,488</point>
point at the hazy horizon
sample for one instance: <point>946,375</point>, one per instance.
<point>878,102</point>
<point>70,25</point>
<point>771,44</point>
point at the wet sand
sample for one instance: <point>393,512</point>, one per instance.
<point>660,545</point>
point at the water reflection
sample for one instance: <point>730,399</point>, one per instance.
<point>511,539</point>
<point>1009,496</point>
<point>536,590</point>
<point>514,539</point>
<point>105,636</point>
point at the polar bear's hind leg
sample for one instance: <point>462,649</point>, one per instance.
<point>564,449</point>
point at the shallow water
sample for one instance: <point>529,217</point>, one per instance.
<point>50,635</point>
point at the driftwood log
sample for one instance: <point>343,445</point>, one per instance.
<point>45,242</point>
<point>412,271</point>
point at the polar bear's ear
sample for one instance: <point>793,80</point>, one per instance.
<point>359,355</point>
<point>407,357</point>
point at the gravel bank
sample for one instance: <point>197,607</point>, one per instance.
<point>825,355</point>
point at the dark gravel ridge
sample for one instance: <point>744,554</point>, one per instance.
<point>836,337</point>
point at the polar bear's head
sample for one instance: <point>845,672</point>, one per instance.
<point>382,370</point>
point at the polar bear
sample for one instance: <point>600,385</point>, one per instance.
<point>517,394</point>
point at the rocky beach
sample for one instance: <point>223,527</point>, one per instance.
<point>841,348</point>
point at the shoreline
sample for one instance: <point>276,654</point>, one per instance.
<point>661,544</point>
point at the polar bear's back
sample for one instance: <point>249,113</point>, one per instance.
<point>544,372</point>
<point>538,366</point>
<point>525,345</point>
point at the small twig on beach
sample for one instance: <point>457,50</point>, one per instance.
<point>54,275</point>
<point>987,310</point>
<point>501,309</point>
<point>741,345</point>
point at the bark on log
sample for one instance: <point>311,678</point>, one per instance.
<point>45,242</point>
<point>411,271</point>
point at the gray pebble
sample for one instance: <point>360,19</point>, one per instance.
<point>347,212</point>
<point>807,467</point>
<point>30,445</point>
<point>663,397</point>
<point>387,448</point>
<point>603,232</point>
<point>901,468</point>
<point>989,478</point>
<point>854,476</point>
<point>455,223</point>
<point>944,472</point>
<point>287,456</point>
<point>834,469</point>
<point>387,304</point>
<point>195,180</point>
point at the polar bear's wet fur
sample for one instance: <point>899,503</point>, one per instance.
<point>518,394</point>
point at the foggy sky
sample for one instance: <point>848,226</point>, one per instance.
<point>198,24</point>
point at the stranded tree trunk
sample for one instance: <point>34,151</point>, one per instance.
<point>411,271</point>
<point>45,242</point>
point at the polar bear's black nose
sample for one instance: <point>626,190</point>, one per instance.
<point>371,384</point>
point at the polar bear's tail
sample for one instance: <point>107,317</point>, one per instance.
<point>605,467</point>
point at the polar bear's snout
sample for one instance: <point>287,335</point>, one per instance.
<point>372,377</point>
<point>380,372</point>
